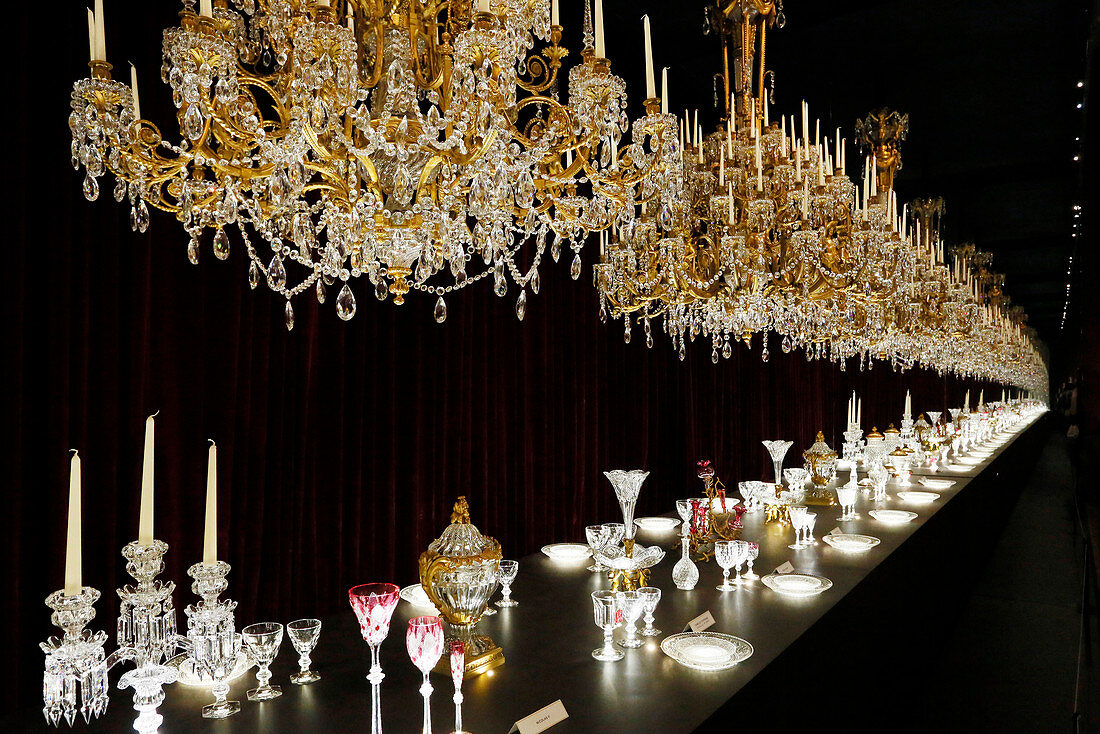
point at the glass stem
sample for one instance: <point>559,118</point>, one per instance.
<point>375,677</point>
<point>220,690</point>
<point>608,640</point>
<point>458,712</point>
<point>304,662</point>
<point>426,692</point>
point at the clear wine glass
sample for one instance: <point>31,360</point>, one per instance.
<point>616,531</point>
<point>846,496</point>
<point>808,523</point>
<point>458,671</point>
<point>373,605</point>
<point>303,634</point>
<point>797,514</point>
<point>595,535</point>
<point>262,640</point>
<point>753,554</point>
<point>651,595</point>
<point>796,477</point>
<point>608,616</point>
<point>489,611</point>
<point>726,555</point>
<point>632,607</point>
<point>740,555</point>
<point>506,572</point>
<point>424,641</point>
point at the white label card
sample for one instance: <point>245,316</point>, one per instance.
<point>542,719</point>
<point>702,622</point>
<point>785,568</point>
<point>836,531</point>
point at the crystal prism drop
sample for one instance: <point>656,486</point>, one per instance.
<point>714,355</point>
<point>786,344</point>
<point>626,329</point>
<point>120,189</point>
<point>289,313</point>
<point>534,282</point>
<point>253,275</point>
<point>649,340</point>
<point>521,304</point>
<point>345,303</point>
<point>193,251</point>
<point>276,273</point>
<point>440,311</point>
<point>575,268</point>
<point>142,216</point>
<point>555,247</point>
<point>727,350</point>
<point>193,122</point>
<point>91,188</point>
<point>221,246</point>
<point>320,291</point>
<point>380,291</point>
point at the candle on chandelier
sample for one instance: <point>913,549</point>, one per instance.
<point>554,19</point>
<point>733,119</point>
<point>765,101</point>
<point>73,583</point>
<point>482,5</point>
<point>210,537</point>
<point>797,163</point>
<point>664,89</point>
<point>722,167</point>
<point>837,143</point>
<point>908,404</point>
<point>752,118</point>
<point>91,36</point>
<point>859,412</point>
<point>134,92</point>
<point>206,8</point>
<point>600,51</point>
<point>966,402</point>
<point>100,32</point>
<point>843,156</point>
<point>805,125</point>
<point>145,518</point>
<point>729,194</point>
<point>650,82</point>
<point>351,23</point>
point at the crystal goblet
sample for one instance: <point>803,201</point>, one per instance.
<point>846,496</point>
<point>616,531</point>
<point>726,555</point>
<point>424,641</point>
<point>506,572</point>
<point>632,607</point>
<point>303,634</point>
<point>808,523</point>
<point>262,640</point>
<point>651,595</point>
<point>608,616</point>
<point>753,554</point>
<point>796,477</point>
<point>373,605</point>
<point>595,535</point>
<point>740,555</point>
<point>797,514</point>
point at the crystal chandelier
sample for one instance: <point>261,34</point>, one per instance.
<point>421,145</point>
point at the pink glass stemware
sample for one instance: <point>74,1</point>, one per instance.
<point>458,668</point>
<point>373,605</point>
<point>424,641</point>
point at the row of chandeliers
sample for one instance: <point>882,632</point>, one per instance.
<point>425,145</point>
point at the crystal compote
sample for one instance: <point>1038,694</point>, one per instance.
<point>373,605</point>
<point>627,486</point>
<point>777,450</point>
<point>263,640</point>
<point>424,641</point>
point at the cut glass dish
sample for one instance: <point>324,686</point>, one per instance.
<point>797,584</point>
<point>706,650</point>
<point>937,483</point>
<point>566,551</point>
<point>657,524</point>
<point>921,498</point>
<point>894,517</point>
<point>851,542</point>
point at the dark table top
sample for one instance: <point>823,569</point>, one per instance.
<point>548,640</point>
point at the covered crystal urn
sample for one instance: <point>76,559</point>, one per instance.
<point>820,461</point>
<point>459,574</point>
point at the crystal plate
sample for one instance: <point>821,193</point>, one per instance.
<point>921,498</point>
<point>796,584</point>
<point>851,542</point>
<point>415,595</point>
<point>706,650</point>
<point>894,517</point>
<point>968,460</point>
<point>937,483</point>
<point>567,551</point>
<point>657,524</point>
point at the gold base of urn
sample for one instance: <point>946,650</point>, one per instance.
<point>482,654</point>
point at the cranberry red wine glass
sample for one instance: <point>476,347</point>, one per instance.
<point>373,605</point>
<point>424,641</point>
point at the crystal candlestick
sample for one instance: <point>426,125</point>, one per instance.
<point>424,641</point>
<point>373,605</point>
<point>75,678</point>
<point>212,635</point>
<point>458,668</point>
<point>777,450</point>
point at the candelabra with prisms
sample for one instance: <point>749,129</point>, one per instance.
<point>852,448</point>
<point>77,664</point>
<point>214,643</point>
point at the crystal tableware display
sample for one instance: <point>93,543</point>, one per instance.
<point>607,614</point>
<point>775,500</point>
<point>424,642</point>
<point>796,584</point>
<point>458,669</point>
<point>262,641</point>
<point>820,462</point>
<point>303,634</point>
<point>628,575</point>
<point>748,491</point>
<point>852,448</point>
<point>851,542</point>
<point>373,605</point>
<point>706,650</point>
<point>214,643</point>
<point>651,596</point>
<point>507,571</point>
<point>685,574</point>
<point>566,552</point>
<point>777,450</point>
<point>893,517</point>
<point>633,606</point>
<point>918,497</point>
<point>459,574</point>
<point>753,552</point>
<point>846,496</point>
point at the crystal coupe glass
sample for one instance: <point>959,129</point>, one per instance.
<point>424,641</point>
<point>262,640</point>
<point>373,605</point>
<point>651,596</point>
<point>303,634</point>
<point>632,606</point>
<point>605,609</point>
<point>777,450</point>
<point>507,571</point>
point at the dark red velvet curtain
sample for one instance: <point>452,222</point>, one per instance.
<point>342,445</point>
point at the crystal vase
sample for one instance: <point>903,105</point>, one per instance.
<point>627,485</point>
<point>777,450</point>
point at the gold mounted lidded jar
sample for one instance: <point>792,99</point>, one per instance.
<point>821,464</point>
<point>459,574</point>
